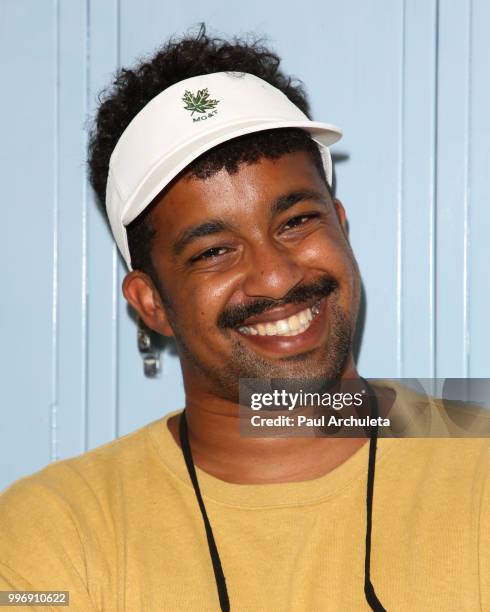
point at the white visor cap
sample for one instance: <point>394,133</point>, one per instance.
<point>186,120</point>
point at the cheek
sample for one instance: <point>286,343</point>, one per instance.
<point>198,306</point>
<point>332,254</point>
<point>329,254</point>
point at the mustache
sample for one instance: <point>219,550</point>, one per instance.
<point>235,316</point>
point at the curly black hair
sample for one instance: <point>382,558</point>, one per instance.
<point>179,59</point>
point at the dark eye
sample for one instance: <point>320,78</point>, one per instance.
<point>209,254</point>
<point>299,220</point>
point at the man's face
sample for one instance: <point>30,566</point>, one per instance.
<point>258,275</point>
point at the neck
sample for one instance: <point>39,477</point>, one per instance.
<point>219,449</point>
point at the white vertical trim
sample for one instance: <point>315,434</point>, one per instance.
<point>53,450</point>
<point>400,201</point>
<point>433,208</point>
<point>467,196</point>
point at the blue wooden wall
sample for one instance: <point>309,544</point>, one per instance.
<point>408,82</point>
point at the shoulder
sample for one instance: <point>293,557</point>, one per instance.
<point>68,511</point>
<point>462,419</point>
<point>80,482</point>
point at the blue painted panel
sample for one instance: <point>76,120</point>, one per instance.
<point>479,195</point>
<point>417,192</point>
<point>72,231</point>
<point>28,42</point>
<point>452,189</point>
<point>103,283</point>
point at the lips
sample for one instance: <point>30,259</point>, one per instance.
<point>292,325</point>
<point>276,343</point>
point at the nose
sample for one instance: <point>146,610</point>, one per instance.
<point>272,271</point>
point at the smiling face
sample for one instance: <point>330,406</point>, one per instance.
<point>258,275</point>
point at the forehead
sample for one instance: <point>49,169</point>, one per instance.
<point>239,195</point>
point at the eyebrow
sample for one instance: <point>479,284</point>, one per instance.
<point>213,226</point>
<point>216,226</point>
<point>287,201</point>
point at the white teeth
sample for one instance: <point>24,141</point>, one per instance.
<point>282,327</point>
<point>270,328</point>
<point>292,326</point>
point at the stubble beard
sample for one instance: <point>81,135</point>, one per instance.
<point>328,362</point>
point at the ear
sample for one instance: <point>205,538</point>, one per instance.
<point>341,216</point>
<point>141,293</point>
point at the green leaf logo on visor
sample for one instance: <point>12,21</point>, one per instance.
<point>200,103</point>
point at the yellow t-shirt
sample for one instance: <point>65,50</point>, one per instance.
<point>119,528</point>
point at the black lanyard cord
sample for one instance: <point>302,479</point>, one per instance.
<point>224,600</point>
<point>369,592</point>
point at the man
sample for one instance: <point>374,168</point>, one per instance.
<point>218,192</point>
